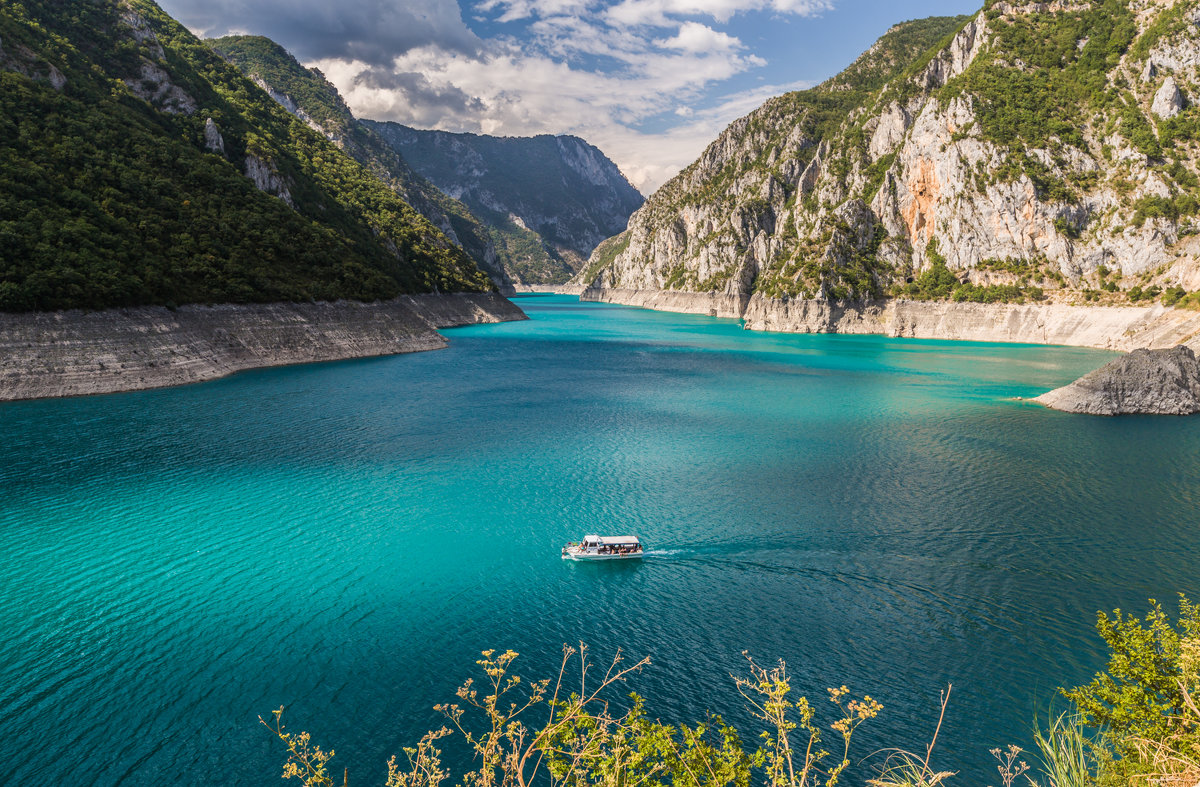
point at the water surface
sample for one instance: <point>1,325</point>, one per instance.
<point>345,538</point>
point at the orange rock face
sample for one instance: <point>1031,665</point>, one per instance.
<point>923,196</point>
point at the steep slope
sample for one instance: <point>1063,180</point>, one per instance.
<point>140,168</point>
<point>1035,152</point>
<point>708,228</point>
<point>310,97</point>
<point>549,200</point>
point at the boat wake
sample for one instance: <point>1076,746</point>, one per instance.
<point>662,552</point>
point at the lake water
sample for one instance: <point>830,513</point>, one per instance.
<point>345,538</point>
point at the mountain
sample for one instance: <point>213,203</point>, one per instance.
<point>1032,152</point>
<point>548,199</point>
<point>306,94</point>
<point>140,168</point>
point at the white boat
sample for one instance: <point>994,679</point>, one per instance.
<point>603,548</point>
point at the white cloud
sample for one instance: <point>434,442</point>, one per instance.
<point>695,37</point>
<point>660,12</point>
<point>585,67</point>
<point>526,9</point>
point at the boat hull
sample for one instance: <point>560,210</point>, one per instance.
<point>585,556</point>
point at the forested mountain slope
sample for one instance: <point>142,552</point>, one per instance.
<point>548,199</point>
<point>1034,151</point>
<point>138,167</point>
<point>309,96</point>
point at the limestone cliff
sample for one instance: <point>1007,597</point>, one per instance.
<point>1033,152</point>
<point>70,353</point>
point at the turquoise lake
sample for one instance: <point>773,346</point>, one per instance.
<point>344,539</point>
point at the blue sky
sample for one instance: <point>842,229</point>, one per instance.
<point>651,82</point>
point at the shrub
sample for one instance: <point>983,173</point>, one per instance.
<point>1146,691</point>
<point>582,741</point>
<point>1172,295</point>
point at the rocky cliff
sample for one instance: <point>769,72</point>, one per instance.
<point>548,199</point>
<point>71,353</point>
<point>312,99</point>
<point>1164,382</point>
<point>1031,153</point>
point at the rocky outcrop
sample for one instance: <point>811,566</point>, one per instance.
<point>213,141</point>
<point>267,179</point>
<point>153,83</point>
<point>1168,101</point>
<point>48,354</point>
<point>24,61</point>
<point>1164,382</point>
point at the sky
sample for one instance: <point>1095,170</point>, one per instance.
<point>649,82</point>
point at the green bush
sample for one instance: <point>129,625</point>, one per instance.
<point>1171,208</point>
<point>1173,295</point>
<point>1146,696</point>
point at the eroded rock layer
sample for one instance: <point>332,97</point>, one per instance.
<point>1119,328</point>
<point>71,353</point>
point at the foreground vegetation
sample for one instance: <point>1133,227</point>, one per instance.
<point>1137,723</point>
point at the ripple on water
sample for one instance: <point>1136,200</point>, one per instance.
<point>345,538</point>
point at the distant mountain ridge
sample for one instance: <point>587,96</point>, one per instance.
<point>306,94</point>
<point>1033,151</point>
<point>550,199</point>
<point>139,168</point>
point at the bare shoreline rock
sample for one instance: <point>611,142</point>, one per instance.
<point>1163,382</point>
<point>73,353</point>
<point>1121,328</point>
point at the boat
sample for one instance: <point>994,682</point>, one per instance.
<point>603,548</point>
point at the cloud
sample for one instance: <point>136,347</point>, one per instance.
<point>661,12</point>
<point>553,97</point>
<point>695,37</point>
<point>415,90</point>
<point>371,31</point>
<point>602,71</point>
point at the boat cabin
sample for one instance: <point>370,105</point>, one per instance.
<point>612,544</point>
<point>596,547</point>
